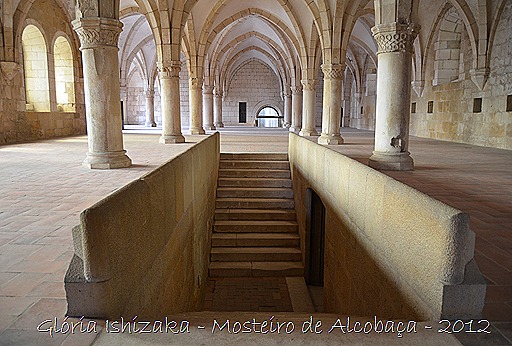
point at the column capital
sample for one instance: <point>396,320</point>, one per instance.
<point>333,71</point>
<point>97,32</point>
<point>286,94</point>
<point>169,69</point>
<point>395,37</point>
<point>296,89</point>
<point>149,93</point>
<point>309,84</point>
<point>218,93</point>
<point>207,89</point>
<point>195,83</point>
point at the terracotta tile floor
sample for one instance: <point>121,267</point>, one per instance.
<point>44,187</point>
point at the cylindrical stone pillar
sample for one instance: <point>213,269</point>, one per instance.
<point>150,108</point>
<point>169,72</point>
<point>331,116</point>
<point>296,109</point>
<point>217,108</point>
<point>196,105</point>
<point>208,108</point>
<point>308,108</point>
<point>98,39</point>
<point>395,42</point>
<point>287,109</point>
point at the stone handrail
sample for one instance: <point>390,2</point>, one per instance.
<point>144,249</point>
<point>404,253</point>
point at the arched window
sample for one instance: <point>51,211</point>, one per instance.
<point>447,48</point>
<point>269,117</point>
<point>37,89</point>
<point>64,78</point>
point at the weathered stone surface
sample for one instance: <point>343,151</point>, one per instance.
<point>144,248</point>
<point>390,250</point>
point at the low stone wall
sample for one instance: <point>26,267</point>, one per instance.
<point>28,126</point>
<point>144,249</point>
<point>390,250</point>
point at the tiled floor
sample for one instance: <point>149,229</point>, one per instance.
<point>43,189</point>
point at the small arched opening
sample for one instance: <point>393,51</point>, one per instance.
<point>64,76</point>
<point>269,117</point>
<point>35,63</point>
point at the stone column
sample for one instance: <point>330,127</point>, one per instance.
<point>395,42</point>
<point>98,39</point>
<point>296,108</point>
<point>169,72</point>
<point>308,108</point>
<point>196,106</point>
<point>287,109</point>
<point>208,107</point>
<point>217,108</point>
<point>150,107</point>
<point>331,116</point>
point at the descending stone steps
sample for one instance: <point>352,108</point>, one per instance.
<point>255,214</point>
<point>254,173</point>
<point>255,232</point>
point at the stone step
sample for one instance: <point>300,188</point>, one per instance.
<point>254,182</point>
<point>254,192</point>
<point>255,254</point>
<point>254,164</point>
<point>254,173</point>
<point>255,214</point>
<point>256,269</point>
<point>255,156</point>
<point>243,226</point>
<point>255,239</point>
<point>254,203</point>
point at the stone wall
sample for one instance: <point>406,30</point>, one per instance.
<point>453,118</point>
<point>390,250</point>
<point>255,84</point>
<point>144,249</point>
<point>16,123</point>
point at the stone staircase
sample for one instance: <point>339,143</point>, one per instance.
<point>255,230</point>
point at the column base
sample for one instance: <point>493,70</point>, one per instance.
<point>173,139</point>
<point>107,160</point>
<point>305,133</point>
<point>391,161</point>
<point>151,124</point>
<point>209,127</point>
<point>199,131</point>
<point>295,129</point>
<point>218,125</point>
<point>330,139</point>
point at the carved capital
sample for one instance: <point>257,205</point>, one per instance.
<point>218,93</point>
<point>309,84</point>
<point>333,71</point>
<point>395,37</point>
<point>149,93</point>
<point>10,69</point>
<point>296,90</point>
<point>195,83</point>
<point>169,69</point>
<point>207,89</point>
<point>97,32</point>
<point>286,94</point>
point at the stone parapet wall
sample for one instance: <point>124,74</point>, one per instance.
<point>390,250</point>
<point>28,126</point>
<point>144,249</point>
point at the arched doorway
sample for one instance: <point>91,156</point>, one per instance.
<point>315,240</point>
<point>269,117</point>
